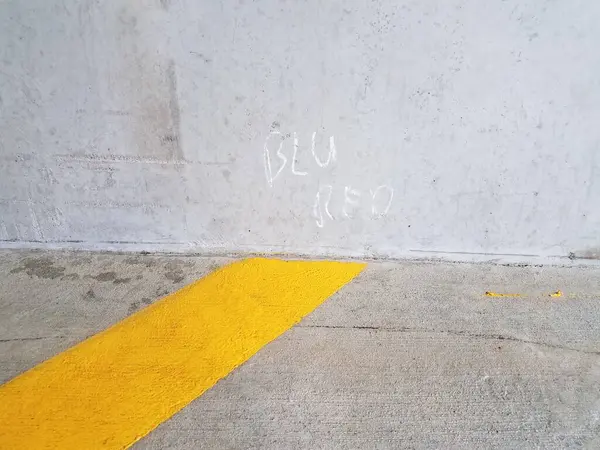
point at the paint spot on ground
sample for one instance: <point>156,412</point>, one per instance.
<point>556,294</point>
<point>498,294</point>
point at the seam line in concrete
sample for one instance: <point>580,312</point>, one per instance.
<point>498,337</point>
<point>32,338</point>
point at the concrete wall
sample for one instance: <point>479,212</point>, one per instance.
<point>419,128</point>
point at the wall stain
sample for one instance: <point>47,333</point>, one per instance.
<point>146,84</point>
<point>40,267</point>
<point>204,58</point>
<point>174,137</point>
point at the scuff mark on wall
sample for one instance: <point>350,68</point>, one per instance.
<point>173,139</point>
<point>108,204</point>
<point>35,224</point>
<point>96,158</point>
<point>3,232</point>
<point>591,253</point>
<point>144,82</point>
<point>48,176</point>
<point>56,217</point>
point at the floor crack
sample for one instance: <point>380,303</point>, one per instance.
<point>32,338</point>
<point>499,337</point>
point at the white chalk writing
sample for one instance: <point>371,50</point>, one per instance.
<point>294,171</point>
<point>379,202</point>
<point>331,156</point>
<point>318,213</point>
<point>351,198</point>
<point>388,204</point>
<point>267,157</point>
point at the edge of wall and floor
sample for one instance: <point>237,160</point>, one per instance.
<point>314,253</point>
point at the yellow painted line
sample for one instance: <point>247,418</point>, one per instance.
<point>497,294</point>
<point>115,387</point>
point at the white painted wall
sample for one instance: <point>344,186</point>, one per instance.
<point>419,128</point>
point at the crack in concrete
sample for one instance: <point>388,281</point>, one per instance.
<point>32,338</point>
<point>499,337</point>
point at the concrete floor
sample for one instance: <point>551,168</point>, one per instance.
<point>409,355</point>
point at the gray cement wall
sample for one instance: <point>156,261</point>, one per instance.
<point>387,128</point>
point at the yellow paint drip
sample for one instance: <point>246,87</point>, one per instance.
<point>556,294</point>
<point>496,294</point>
<point>113,388</point>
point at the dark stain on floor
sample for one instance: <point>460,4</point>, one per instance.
<point>105,276</point>
<point>138,304</point>
<point>40,267</point>
<point>212,267</point>
<point>140,260</point>
<point>176,276</point>
<point>110,276</point>
<point>70,277</point>
<point>174,272</point>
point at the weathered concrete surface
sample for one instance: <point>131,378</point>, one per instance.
<point>50,301</point>
<point>410,355</point>
<point>156,125</point>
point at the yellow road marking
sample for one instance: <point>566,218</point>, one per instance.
<point>115,387</point>
<point>497,294</point>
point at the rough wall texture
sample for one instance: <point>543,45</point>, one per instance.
<point>384,128</point>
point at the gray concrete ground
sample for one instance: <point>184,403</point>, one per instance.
<point>409,355</point>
